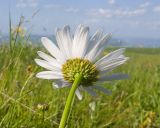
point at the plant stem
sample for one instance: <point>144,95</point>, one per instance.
<point>70,97</point>
<point>43,111</point>
<point>10,33</point>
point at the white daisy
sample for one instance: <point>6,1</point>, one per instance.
<point>79,54</point>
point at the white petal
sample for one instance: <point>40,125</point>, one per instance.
<point>94,39</point>
<point>99,46</point>
<point>80,42</point>
<point>90,91</point>
<point>60,84</point>
<point>79,95</point>
<point>100,50</point>
<point>97,35</point>
<point>50,59</point>
<point>102,89</point>
<point>47,65</point>
<point>114,54</point>
<point>108,62</point>
<point>102,73</point>
<point>59,41</point>
<point>117,76</point>
<point>53,49</point>
<point>49,75</point>
<point>111,65</point>
<point>75,43</point>
<point>121,56</point>
<point>92,105</point>
<point>64,41</point>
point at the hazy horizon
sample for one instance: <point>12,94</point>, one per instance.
<point>115,41</point>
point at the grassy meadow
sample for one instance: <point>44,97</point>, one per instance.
<point>134,103</point>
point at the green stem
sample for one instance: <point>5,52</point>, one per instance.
<point>10,33</point>
<point>43,111</point>
<point>70,98</point>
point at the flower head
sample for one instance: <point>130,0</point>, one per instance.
<point>42,106</point>
<point>21,31</point>
<point>79,54</point>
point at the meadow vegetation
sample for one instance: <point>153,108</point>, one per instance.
<point>26,101</point>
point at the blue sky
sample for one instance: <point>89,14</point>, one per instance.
<point>125,18</point>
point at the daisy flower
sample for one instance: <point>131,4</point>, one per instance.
<point>80,53</point>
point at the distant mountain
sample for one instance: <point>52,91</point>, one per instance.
<point>123,42</point>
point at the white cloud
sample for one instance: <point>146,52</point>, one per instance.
<point>146,24</point>
<point>136,12</point>
<point>52,6</point>
<point>21,5</point>
<point>108,13</point>
<point>91,20</point>
<point>157,8</point>
<point>61,7</point>
<point>27,3</point>
<point>100,12</point>
<point>145,4</point>
<point>111,1</point>
<point>74,10</point>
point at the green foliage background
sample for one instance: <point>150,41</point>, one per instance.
<point>134,103</point>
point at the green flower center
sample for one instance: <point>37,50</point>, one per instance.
<point>80,66</point>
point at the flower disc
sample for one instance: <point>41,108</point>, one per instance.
<point>80,66</point>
